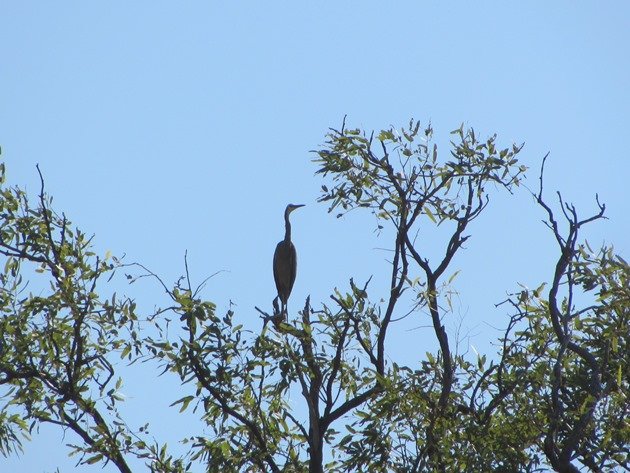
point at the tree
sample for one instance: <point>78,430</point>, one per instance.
<point>555,395</point>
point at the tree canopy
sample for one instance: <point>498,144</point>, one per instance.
<point>555,395</point>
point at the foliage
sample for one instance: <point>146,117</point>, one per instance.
<point>58,339</point>
<point>320,392</point>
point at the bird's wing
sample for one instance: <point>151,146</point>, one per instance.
<point>293,265</point>
<point>284,268</point>
<point>277,258</point>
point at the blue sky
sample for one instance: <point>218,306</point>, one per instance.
<point>163,127</point>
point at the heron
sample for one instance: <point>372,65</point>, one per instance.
<point>285,261</point>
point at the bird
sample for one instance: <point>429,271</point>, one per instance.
<point>285,261</point>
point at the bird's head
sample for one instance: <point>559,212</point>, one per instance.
<point>291,207</point>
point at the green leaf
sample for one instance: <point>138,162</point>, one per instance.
<point>125,351</point>
<point>225,449</point>
<point>450,280</point>
<point>185,401</point>
<point>429,214</point>
<point>95,459</point>
<point>539,289</point>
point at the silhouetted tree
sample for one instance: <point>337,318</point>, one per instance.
<point>556,394</point>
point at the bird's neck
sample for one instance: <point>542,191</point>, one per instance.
<point>287,228</point>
